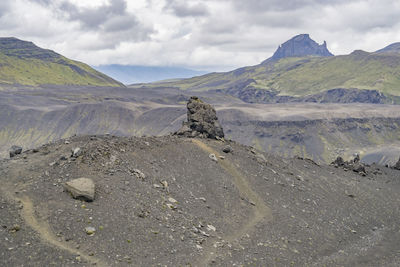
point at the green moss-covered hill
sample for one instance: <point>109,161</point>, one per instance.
<point>24,63</point>
<point>302,76</point>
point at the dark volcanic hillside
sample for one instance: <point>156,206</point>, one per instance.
<point>30,118</point>
<point>23,63</point>
<point>164,201</point>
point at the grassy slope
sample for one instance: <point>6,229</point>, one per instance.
<point>304,76</point>
<point>33,71</point>
<point>24,63</point>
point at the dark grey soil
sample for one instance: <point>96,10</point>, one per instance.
<point>267,211</point>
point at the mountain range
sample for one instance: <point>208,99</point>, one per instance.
<point>303,71</point>
<point>300,70</point>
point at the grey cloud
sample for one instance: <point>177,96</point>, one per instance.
<point>121,23</point>
<point>183,8</point>
<point>4,8</point>
<point>42,2</point>
<point>203,32</point>
<point>268,5</point>
<point>111,21</point>
<point>93,18</point>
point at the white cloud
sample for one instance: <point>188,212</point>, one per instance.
<point>212,34</point>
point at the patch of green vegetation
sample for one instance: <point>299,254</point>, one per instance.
<point>34,66</point>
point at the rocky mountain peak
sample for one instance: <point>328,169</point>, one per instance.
<point>299,46</point>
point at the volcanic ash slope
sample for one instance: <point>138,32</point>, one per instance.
<point>179,201</point>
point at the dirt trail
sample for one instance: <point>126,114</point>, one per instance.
<point>44,230</point>
<point>261,212</point>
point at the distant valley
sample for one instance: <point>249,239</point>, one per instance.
<point>129,74</point>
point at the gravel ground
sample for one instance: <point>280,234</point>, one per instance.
<point>246,208</point>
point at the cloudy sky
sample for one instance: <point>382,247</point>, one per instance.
<point>201,34</point>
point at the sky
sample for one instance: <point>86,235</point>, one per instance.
<point>212,35</point>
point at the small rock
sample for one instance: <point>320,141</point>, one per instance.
<point>172,200</point>
<point>260,158</point>
<point>338,162</point>
<point>356,158</point>
<point>15,228</point>
<point>213,157</point>
<point>221,157</point>
<point>113,158</point>
<point>90,230</point>
<point>51,164</point>
<point>349,194</point>
<point>15,150</point>
<point>172,207</point>
<point>210,227</point>
<point>359,168</point>
<point>81,188</point>
<point>139,174</point>
<point>76,152</point>
<point>227,149</point>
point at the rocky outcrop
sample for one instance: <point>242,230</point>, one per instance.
<point>202,121</point>
<point>354,165</point>
<point>299,46</point>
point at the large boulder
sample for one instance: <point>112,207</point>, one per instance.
<point>81,188</point>
<point>202,121</point>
